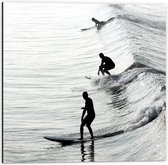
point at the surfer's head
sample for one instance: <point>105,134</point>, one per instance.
<point>101,55</point>
<point>93,19</point>
<point>85,95</point>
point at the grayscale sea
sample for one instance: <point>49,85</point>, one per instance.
<point>47,62</point>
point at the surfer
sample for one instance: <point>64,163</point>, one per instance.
<point>99,24</point>
<point>106,64</point>
<point>89,107</point>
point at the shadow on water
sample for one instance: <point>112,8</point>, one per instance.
<point>87,152</point>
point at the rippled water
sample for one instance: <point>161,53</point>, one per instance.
<point>46,60</point>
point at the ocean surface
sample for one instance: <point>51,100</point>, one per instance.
<point>47,60</point>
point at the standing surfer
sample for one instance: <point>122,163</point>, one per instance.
<point>89,107</point>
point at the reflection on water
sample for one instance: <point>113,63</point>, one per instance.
<point>119,97</point>
<point>87,152</point>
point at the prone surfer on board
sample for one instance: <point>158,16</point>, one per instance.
<point>106,64</point>
<point>89,107</point>
<point>99,24</point>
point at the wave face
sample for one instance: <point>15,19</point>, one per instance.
<point>137,96</point>
<point>146,29</point>
<point>46,60</point>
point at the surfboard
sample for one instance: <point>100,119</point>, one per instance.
<point>65,139</point>
<point>88,77</point>
<point>70,140</point>
<point>99,77</point>
<point>84,29</point>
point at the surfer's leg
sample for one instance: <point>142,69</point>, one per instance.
<point>90,130</point>
<point>106,71</point>
<point>82,125</point>
<point>81,130</point>
<point>102,71</point>
<point>107,68</point>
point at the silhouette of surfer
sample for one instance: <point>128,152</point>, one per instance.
<point>106,64</point>
<point>99,24</point>
<point>89,107</point>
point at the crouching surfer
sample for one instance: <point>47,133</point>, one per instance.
<point>106,64</point>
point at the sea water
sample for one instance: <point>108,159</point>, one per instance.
<point>46,59</point>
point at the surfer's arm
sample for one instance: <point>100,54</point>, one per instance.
<point>98,71</point>
<point>102,62</point>
<point>84,111</point>
<point>100,67</point>
<point>96,25</point>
